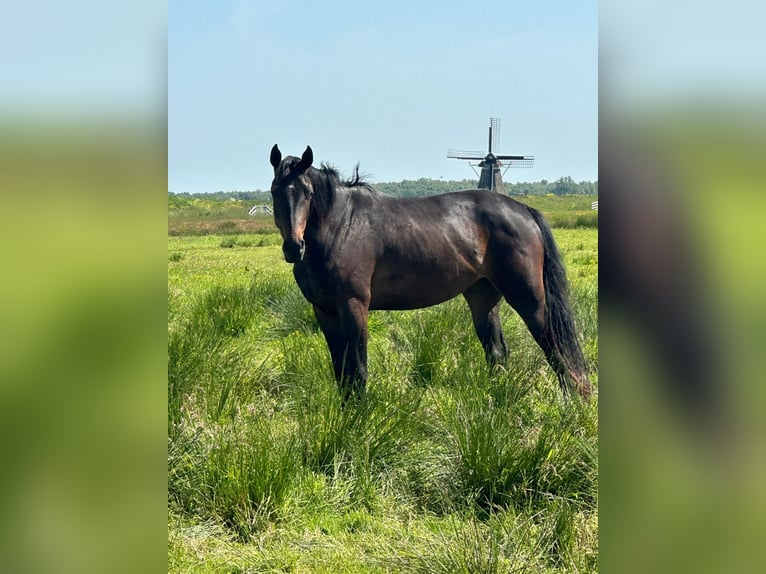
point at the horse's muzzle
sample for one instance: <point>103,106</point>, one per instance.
<point>294,251</point>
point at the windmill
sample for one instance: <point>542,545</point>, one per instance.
<point>490,163</point>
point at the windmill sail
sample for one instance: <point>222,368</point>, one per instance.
<point>460,154</point>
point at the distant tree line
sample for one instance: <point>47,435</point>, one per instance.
<point>256,196</point>
<point>427,186</point>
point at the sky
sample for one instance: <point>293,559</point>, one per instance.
<point>390,85</point>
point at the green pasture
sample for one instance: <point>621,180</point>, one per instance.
<point>445,466</point>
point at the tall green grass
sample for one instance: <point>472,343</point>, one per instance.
<point>443,466</point>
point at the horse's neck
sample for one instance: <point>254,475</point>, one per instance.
<point>327,221</point>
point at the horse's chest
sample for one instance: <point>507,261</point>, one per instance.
<point>313,288</point>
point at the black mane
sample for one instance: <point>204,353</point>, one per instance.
<point>356,179</point>
<point>326,180</point>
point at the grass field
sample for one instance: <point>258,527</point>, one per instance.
<point>445,467</point>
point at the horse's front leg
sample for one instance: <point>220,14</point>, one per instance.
<point>332,329</point>
<point>354,320</point>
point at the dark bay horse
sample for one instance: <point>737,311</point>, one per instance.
<point>354,250</point>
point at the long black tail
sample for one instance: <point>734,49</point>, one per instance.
<point>559,323</point>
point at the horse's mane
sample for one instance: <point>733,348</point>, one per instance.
<point>326,181</point>
<point>357,179</point>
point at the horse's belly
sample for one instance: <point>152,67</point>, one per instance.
<point>402,289</point>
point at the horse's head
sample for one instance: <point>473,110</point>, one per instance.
<point>292,192</point>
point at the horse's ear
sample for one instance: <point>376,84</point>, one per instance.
<point>306,160</point>
<point>276,156</point>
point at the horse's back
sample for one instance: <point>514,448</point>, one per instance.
<point>472,206</point>
<point>434,248</point>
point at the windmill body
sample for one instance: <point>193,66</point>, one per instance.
<point>491,176</point>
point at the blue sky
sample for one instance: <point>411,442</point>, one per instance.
<point>391,85</point>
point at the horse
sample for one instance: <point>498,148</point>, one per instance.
<point>354,250</point>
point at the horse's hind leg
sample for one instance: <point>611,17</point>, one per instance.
<point>484,301</point>
<point>525,292</point>
<point>529,302</point>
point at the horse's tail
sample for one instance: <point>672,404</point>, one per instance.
<point>560,331</point>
